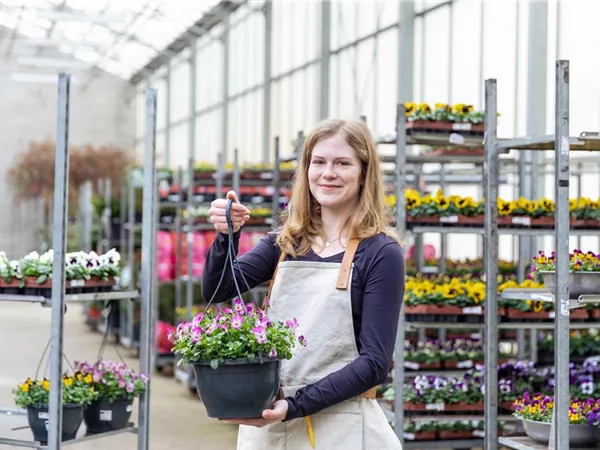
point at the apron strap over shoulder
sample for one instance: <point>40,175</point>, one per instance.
<point>344,276</point>
<point>268,296</point>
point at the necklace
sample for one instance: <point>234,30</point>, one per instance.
<point>328,243</point>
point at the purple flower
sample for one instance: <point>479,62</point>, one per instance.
<point>144,378</point>
<point>250,310</point>
<point>236,322</point>
<point>97,377</point>
<point>302,341</point>
<point>293,324</point>
<point>129,387</point>
<point>211,328</point>
<point>121,383</point>
<point>260,334</point>
<point>196,335</point>
<point>238,306</point>
<point>273,353</point>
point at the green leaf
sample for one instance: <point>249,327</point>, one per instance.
<point>41,279</point>
<point>214,364</point>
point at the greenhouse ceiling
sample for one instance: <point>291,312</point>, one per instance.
<point>124,37</point>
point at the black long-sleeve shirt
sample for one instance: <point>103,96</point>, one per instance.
<point>377,294</point>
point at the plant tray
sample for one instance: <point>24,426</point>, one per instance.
<point>435,407</point>
<point>430,126</point>
<point>413,365</point>
<point>513,313</point>
<point>446,313</point>
<point>454,151</point>
<point>420,436</point>
<point>449,435</point>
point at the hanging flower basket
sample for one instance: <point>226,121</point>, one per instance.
<point>117,387</point>
<point>236,381</point>
<point>235,352</point>
<point>34,396</point>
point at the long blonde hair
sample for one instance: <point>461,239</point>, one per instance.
<point>303,221</point>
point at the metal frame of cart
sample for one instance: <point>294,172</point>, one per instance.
<point>59,299</point>
<point>562,144</point>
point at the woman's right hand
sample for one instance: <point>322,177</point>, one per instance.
<point>239,213</point>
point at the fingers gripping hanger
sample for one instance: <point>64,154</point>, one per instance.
<point>233,262</point>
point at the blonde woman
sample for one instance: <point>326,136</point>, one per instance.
<point>340,272</point>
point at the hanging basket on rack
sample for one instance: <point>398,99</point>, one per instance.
<point>236,352</point>
<point>582,282</point>
<point>38,420</point>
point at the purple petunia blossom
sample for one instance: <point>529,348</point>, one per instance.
<point>273,353</point>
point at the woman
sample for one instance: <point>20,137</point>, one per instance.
<point>336,268</point>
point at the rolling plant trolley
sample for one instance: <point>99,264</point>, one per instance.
<point>58,301</point>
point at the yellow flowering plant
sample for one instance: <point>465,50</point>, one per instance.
<point>442,112</point>
<point>439,204</point>
<point>77,389</point>
<point>539,408</point>
<point>454,293</point>
<point>527,305</point>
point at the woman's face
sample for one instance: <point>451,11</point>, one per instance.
<point>334,173</point>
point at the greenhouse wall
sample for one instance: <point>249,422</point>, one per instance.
<point>452,58</point>
<point>28,108</point>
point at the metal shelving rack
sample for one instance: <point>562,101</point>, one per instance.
<point>59,300</point>
<point>490,163</point>
<point>562,144</point>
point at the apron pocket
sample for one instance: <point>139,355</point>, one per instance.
<point>270,437</point>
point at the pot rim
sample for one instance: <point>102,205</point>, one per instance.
<point>236,362</point>
<point>65,406</point>
<point>573,272</point>
<point>537,422</point>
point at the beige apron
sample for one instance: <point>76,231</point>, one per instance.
<point>318,295</point>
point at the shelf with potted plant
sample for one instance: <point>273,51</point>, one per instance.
<point>448,354</point>
<point>463,267</point>
<point>455,210</point>
<point>85,273</point>
<point>454,300</point>
<point>446,430</point>
<point>583,344</point>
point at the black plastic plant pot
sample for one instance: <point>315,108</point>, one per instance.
<point>101,416</point>
<point>237,389</point>
<point>39,419</point>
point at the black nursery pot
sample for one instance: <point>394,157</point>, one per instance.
<point>38,418</point>
<point>101,416</point>
<point>237,389</point>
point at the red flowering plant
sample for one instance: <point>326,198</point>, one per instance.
<point>241,332</point>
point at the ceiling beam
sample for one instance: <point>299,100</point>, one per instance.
<point>209,20</point>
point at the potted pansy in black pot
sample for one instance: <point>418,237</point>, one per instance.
<point>117,386</point>
<point>34,396</point>
<point>236,354</point>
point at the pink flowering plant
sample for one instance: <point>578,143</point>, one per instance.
<point>241,332</point>
<point>113,380</point>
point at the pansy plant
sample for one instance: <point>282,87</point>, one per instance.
<point>241,332</point>
<point>113,380</point>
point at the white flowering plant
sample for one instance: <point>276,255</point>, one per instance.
<point>9,270</point>
<point>36,265</point>
<point>244,332</point>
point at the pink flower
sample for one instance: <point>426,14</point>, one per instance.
<point>293,324</point>
<point>228,311</point>
<point>260,334</point>
<point>302,341</point>
<point>238,305</point>
<point>273,353</point>
<point>130,388</point>
<point>250,309</point>
<point>236,322</point>
<point>144,378</point>
<point>211,328</point>
<point>121,383</point>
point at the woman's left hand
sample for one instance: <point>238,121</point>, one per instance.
<point>269,416</point>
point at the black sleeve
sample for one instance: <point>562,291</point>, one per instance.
<point>382,300</point>
<point>257,266</point>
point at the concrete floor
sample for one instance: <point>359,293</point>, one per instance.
<point>178,419</point>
